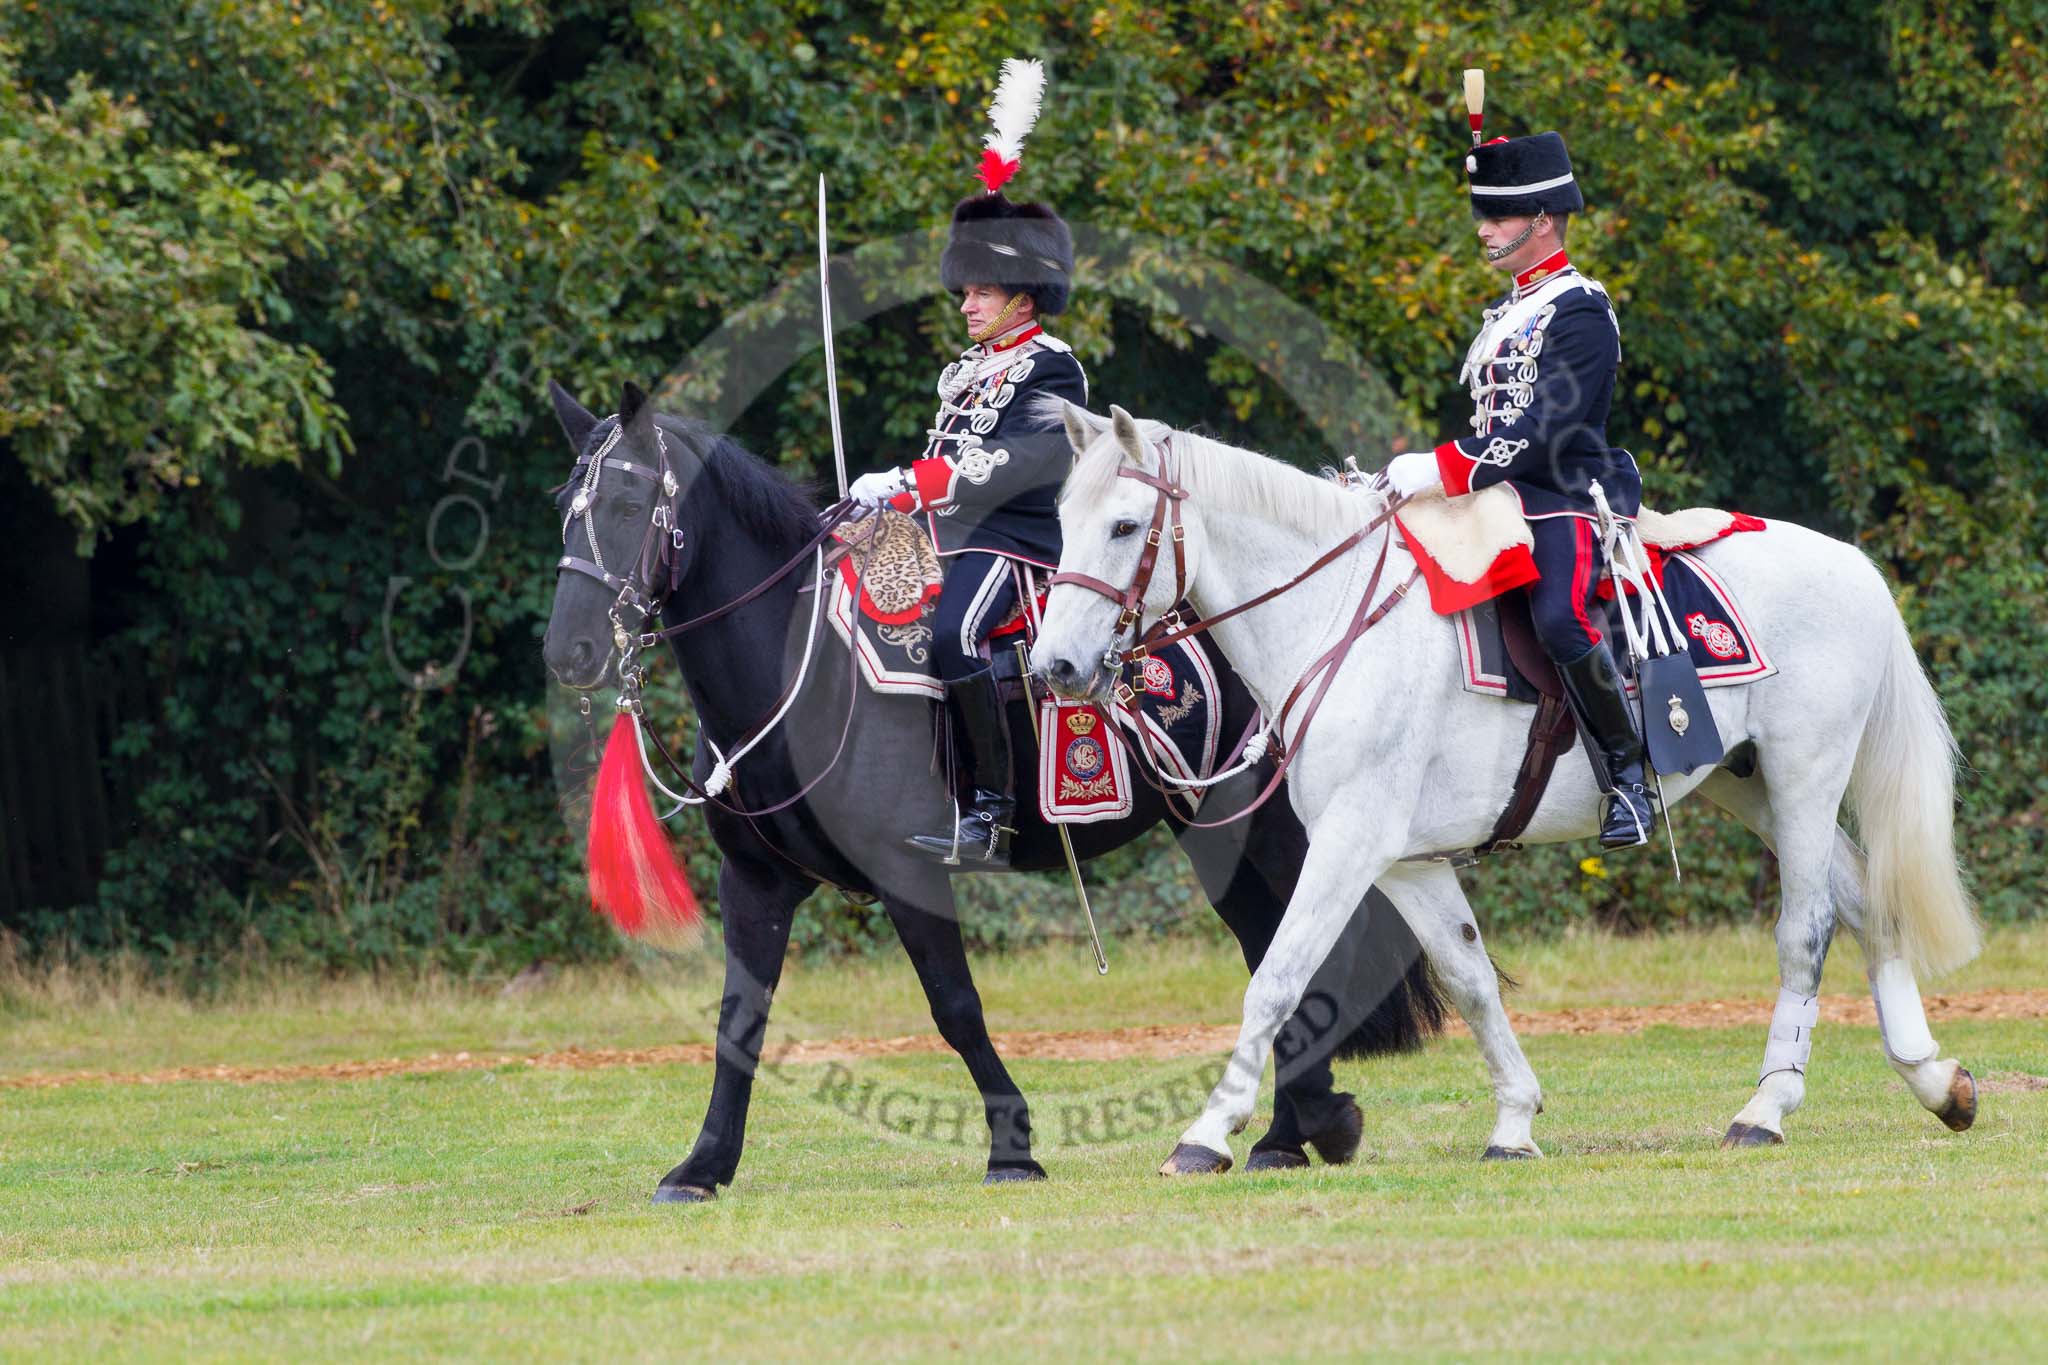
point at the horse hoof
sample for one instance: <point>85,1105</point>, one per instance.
<point>1750,1135</point>
<point>684,1194</point>
<point>1338,1143</point>
<point>1012,1174</point>
<point>1961,1110</point>
<point>1276,1159</point>
<point>1493,1153</point>
<point>1193,1159</point>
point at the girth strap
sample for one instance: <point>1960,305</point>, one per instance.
<point>1551,732</point>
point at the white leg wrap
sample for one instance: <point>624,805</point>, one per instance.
<point>1791,1040</point>
<point>1900,1016</point>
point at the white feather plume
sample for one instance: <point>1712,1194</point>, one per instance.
<point>1014,110</point>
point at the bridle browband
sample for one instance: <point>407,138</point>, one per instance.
<point>1173,627</point>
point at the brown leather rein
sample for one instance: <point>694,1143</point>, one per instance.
<point>1172,627</point>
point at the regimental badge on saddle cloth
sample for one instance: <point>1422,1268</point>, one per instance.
<point>1083,771</point>
<point>1174,716</point>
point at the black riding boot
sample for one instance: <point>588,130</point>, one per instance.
<point>1599,700</point>
<point>983,836</point>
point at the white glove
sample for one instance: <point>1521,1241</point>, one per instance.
<point>1413,473</point>
<point>872,490</point>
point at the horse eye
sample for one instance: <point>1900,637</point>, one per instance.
<point>630,511</point>
<point>1126,527</point>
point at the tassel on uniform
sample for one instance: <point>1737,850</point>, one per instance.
<point>634,879</point>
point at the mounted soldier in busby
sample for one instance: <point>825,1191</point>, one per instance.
<point>988,480</point>
<point>1541,373</point>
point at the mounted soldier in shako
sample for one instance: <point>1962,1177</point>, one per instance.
<point>1541,372</point>
<point>987,484</point>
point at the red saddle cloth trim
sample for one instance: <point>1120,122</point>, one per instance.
<point>850,576</point>
<point>1019,623</point>
<point>1515,567</point>
<point>1743,521</point>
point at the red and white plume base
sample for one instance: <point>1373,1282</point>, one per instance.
<point>1011,115</point>
<point>634,880</point>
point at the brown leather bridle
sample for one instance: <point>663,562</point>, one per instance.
<point>1131,601</point>
<point>1173,626</point>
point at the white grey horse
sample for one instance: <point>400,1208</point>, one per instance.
<point>1401,761</point>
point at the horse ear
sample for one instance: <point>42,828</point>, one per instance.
<point>636,414</point>
<point>1126,428</point>
<point>576,420</point>
<point>631,399</point>
<point>1082,425</point>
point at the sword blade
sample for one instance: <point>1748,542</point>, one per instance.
<point>1087,911</point>
<point>1670,831</point>
<point>831,369</point>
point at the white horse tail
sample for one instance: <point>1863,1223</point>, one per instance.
<point>1903,787</point>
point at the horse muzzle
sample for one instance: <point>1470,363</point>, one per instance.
<point>1074,681</point>
<point>581,666</point>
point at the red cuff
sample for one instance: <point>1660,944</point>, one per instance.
<point>932,479</point>
<point>1456,468</point>
<point>904,502</point>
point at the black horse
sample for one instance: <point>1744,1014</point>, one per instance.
<point>731,522</point>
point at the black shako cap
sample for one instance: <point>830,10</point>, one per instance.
<point>1519,177</point>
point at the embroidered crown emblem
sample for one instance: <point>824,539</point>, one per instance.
<point>1081,722</point>
<point>1719,638</point>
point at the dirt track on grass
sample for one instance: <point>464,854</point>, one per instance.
<point>1103,1045</point>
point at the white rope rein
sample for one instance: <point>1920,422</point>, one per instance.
<point>723,763</point>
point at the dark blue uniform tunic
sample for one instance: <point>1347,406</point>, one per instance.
<point>989,481</point>
<point>1542,377</point>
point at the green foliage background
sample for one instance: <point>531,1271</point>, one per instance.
<point>265,265</point>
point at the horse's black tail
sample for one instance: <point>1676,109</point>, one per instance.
<point>1389,989</point>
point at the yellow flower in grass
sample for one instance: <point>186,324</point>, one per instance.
<point>1593,867</point>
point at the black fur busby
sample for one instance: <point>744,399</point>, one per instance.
<point>1519,177</point>
<point>1023,248</point>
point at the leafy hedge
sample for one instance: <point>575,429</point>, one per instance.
<point>280,279</point>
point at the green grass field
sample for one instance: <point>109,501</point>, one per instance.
<point>504,1211</point>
